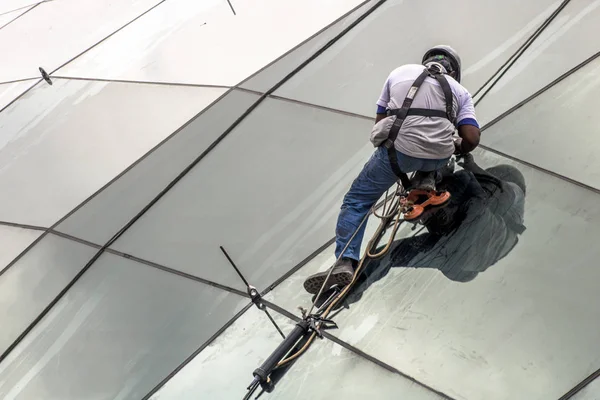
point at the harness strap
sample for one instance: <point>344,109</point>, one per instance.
<point>422,112</point>
<point>404,111</point>
<point>447,94</point>
<point>400,117</point>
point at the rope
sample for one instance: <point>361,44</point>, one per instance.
<point>371,245</point>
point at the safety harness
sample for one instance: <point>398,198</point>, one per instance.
<point>405,110</point>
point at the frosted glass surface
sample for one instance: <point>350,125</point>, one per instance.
<point>120,330</point>
<point>62,143</point>
<point>564,44</point>
<point>14,241</point>
<point>268,193</point>
<point>590,392</point>
<point>56,31</point>
<point>350,74</point>
<point>557,130</point>
<point>10,16</point>
<point>272,74</point>
<point>29,285</point>
<point>7,6</point>
<point>328,369</point>
<point>224,368</point>
<point>10,91</point>
<point>105,214</point>
<point>210,44</point>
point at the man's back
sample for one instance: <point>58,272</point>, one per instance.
<point>426,137</point>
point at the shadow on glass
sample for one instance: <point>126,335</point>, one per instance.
<point>479,226</point>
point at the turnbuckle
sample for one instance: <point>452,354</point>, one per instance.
<point>255,297</point>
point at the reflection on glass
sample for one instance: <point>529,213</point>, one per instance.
<point>118,332</point>
<point>494,280</point>
<point>328,371</point>
<point>30,284</point>
<point>479,226</point>
<point>223,369</point>
<point>14,241</point>
<point>536,131</point>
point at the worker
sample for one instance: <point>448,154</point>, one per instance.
<point>409,138</point>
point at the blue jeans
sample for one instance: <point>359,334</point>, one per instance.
<point>375,178</point>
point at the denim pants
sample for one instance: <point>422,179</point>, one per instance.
<point>373,181</point>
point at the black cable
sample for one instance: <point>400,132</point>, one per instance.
<point>24,226</point>
<point>511,61</point>
<point>512,56</point>
<point>18,80</point>
<point>542,90</point>
<point>235,267</point>
<point>581,385</point>
<point>252,292</point>
<point>274,323</point>
<point>231,6</point>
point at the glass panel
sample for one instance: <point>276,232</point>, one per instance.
<point>362,59</point>
<point>63,142</point>
<point>106,213</point>
<point>10,91</point>
<point>164,34</point>
<point>326,370</point>
<point>14,241</point>
<point>175,28</point>
<point>244,346</point>
<point>116,334</point>
<point>28,286</point>
<point>551,55</point>
<point>590,392</point>
<point>269,194</point>
<point>556,130</point>
<point>465,312</point>
<point>75,24</point>
<point>10,5</point>
<point>272,74</point>
<point>9,16</point>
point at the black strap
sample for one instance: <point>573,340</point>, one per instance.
<point>447,94</point>
<point>422,112</point>
<point>404,111</point>
<point>400,117</point>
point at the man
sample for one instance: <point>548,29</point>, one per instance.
<point>423,144</point>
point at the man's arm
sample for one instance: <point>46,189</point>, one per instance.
<point>469,135</point>
<point>467,125</point>
<point>381,113</point>
<point>383,101</point>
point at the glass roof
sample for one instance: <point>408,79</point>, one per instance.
<point>171,128</point>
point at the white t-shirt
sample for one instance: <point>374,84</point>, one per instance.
<point>426,137</point>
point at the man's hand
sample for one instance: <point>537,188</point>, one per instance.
<point>457,144</point>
